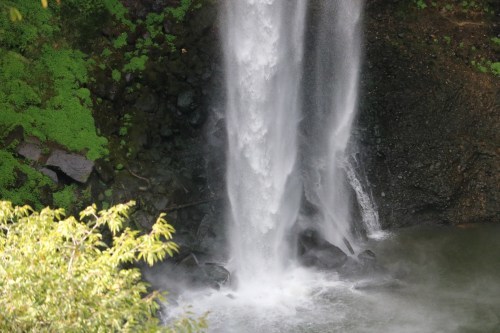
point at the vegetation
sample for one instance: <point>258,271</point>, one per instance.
<point>482,55</point>
<point>58,274</point>
<point>21,183</point>
<point>44,93</point>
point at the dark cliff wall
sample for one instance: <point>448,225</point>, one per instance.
<point>428,123</point>
<point>429,115</point>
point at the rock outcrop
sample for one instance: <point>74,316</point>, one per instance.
<point>74,166</point>
<point>429,125</point>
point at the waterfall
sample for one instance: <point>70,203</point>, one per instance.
<point>330,112</point>
<point>263,52</point>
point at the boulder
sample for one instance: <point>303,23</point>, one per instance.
<point>315,251</point>
<point>74,166</point>
<point>30,151</point>
<point>198,274</point>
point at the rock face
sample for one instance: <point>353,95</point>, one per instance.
<point>75,166</point>
<point>315,251</point>
<point>429,124</point>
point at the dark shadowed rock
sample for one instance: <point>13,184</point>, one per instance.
<point>185,99</point>
<point>365,265</point>
<point>148,102</point>
<point>315,251</point>
<point>104,171</point>
<point>190,261</point>
<point>73,165</point>
<point>201,274</point>
<point>50,173</point>
<point>216,275</point>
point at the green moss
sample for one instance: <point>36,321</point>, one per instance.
<point>136,64</point>
<point>179,12</point>
<point>116,8</point>
<point>65,198</point>
<point>20,183</point>
<point>495,68</point>
<point>121,41</point>
<point>46,98</point>
<point>108,193</point>
<point>116,75</point>
<point>25,34</point>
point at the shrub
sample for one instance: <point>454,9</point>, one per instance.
<point>57,275</point>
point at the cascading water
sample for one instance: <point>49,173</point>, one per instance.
<point>330,115</point>
<point>264,43</point>
<point>369,214</point>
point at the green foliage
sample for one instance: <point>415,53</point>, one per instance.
<point>65,198</point>
<point>119,12</point>
<point>116,75</point>
<point>58,275</point>
<point>42,81</point>
<point>120,41</point>
<point>486,66</point>
<point>45,96</point>
<point>420,4</point>
<point>20,182</point>
<point>495,68</point>
<point>137,63</point>
<point>179,12</point>
<point>84,8</point>
<point>24,35</point>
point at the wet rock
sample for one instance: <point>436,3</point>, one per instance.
<point>75,166</point>
<point>104,171</point>
<point>216,275</point>
<point>143,219</point>
<point>367,255</point>
<point>202,274</point>
<point>147,102</point>
<point>30,151</point>
<point>315,251</point>
<point>160,203</point>
<point>197,118</point>
<point>185,100</point>
<point>365,265</point>
<point>190,261</point>
<point>166,131</point>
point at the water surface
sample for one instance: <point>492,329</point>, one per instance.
<point>437,279</point>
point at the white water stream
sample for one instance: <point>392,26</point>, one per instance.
<point>264,46</point>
